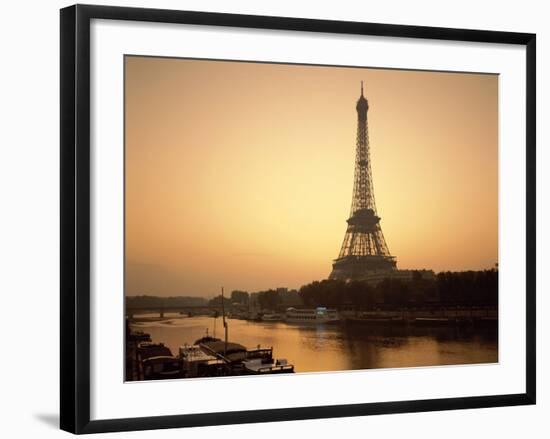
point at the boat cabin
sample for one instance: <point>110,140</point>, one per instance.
<point>161,367</point>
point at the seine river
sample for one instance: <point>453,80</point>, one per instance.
<point>338,346</point>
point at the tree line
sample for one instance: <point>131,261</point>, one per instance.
<point>467,288</point>
<point>464,288</point>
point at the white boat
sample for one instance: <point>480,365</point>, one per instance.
<point>272,318</point>
<point>311,315</point>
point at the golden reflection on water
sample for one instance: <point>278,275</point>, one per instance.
<point>314,348</point>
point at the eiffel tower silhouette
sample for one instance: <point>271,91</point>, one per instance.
<point>364,249</point>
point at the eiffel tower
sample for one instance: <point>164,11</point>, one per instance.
<point>364,250</point>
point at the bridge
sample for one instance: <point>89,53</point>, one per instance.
<point>182,309</point>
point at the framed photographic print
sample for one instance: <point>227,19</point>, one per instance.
<point>267,219</point>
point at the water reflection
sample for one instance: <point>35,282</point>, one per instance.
<point>340,347</point>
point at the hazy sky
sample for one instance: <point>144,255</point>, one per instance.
<point>241,174</point>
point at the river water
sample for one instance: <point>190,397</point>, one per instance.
<point>313,348</point>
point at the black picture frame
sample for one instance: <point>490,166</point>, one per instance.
<point>75,217</point>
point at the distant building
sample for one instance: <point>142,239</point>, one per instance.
<point>253,302</point>
<point>289,297</point>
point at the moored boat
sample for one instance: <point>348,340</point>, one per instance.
<point>236,359</point>
<point>157,362</point>
<point>197,363</point>
<point>162,368</point>
<point>243,361</point>
<point>229,352</point>
<point>311,315</point>
<point>272,317</point>
<point>259,366</point>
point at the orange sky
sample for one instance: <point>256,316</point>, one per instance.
<point>241,174</point>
